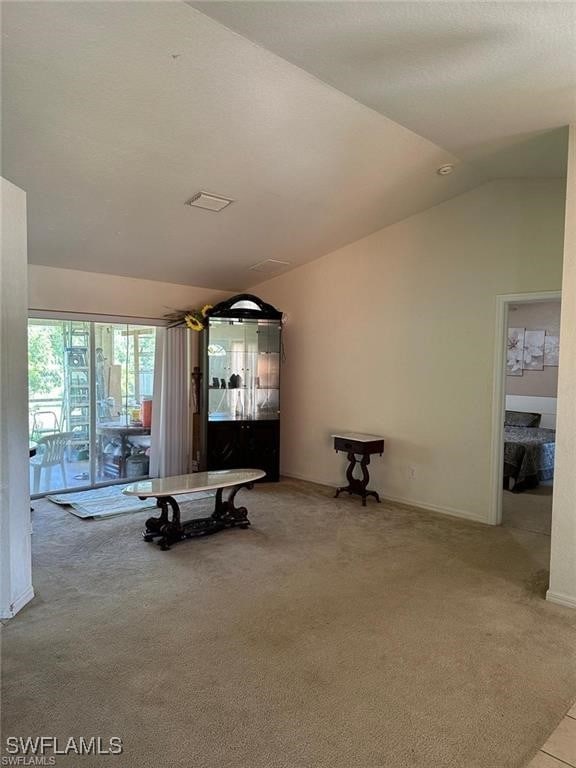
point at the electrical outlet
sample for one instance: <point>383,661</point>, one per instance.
<point>411,473</point>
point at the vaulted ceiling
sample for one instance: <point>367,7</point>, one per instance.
<point>322,121</point>
<point>466,75</point>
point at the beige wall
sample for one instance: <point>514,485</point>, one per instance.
<point>15,550</point>
<point>70,290</point>
<point>563,562</point>
<point>394,335</point>
<point>540,316</point>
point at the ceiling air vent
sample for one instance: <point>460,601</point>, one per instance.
<point>209,202</point>
<point>269,266</point>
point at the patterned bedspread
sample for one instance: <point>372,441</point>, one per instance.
<point>529,454</point>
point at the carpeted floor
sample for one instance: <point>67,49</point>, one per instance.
<point>530,510</point>
<point>326,636</point>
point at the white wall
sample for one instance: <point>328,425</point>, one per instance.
<point>394,335</point>
<point>70,290</point>
<point>15,551</point>
<point>563,555</point>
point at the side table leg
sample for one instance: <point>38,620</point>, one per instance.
<point>365,480</point>
<point>355,485</point>
<point>349,476</point>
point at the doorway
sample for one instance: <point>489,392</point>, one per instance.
<point>524,412</point>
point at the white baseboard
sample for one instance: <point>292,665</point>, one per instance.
<point>450,512</point>
<point>557,597</point>
<point>8,611</point>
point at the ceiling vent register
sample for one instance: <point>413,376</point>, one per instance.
<point>209,202</point>
<point>269,266</point>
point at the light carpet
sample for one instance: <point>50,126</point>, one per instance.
<point>109,501</point>
<point>325,636</point>
<point>530,510</point>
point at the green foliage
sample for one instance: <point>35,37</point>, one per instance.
<point>45,359</point>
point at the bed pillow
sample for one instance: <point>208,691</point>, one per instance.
<point>520,419</point>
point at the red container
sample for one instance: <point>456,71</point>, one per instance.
<point>147,413</point>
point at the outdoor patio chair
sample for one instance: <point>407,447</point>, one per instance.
<point>50,453</point>
<point>44,423</point>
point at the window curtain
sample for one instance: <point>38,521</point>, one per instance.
<point>170,444</point>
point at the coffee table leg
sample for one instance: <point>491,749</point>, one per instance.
<point>169,530</point>
<point>227,513</point>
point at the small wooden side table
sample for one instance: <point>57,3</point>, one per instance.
<point>357,444</point>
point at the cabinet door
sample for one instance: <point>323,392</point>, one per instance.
<point>225,445</point>
<point>262,447</point>
<point>241,445</point>
<point>243,365</point>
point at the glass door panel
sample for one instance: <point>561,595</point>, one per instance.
<point>124,364</point>
<point>59,404</point>
<point>268,370</point>
<point>243,370</point>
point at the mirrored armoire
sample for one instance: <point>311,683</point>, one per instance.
<point>240,352</point>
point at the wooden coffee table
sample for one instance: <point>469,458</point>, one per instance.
<point>225,514</point>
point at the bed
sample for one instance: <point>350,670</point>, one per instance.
<point>528,451</point>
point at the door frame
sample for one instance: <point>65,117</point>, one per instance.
<point>503,302</point>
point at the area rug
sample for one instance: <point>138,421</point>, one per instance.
<point>105,502</point>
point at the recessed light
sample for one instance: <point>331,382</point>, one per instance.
<point>209,202</point>
<point>444,170</point>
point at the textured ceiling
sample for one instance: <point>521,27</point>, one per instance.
<point>114,114</point>
<point>464,75</point>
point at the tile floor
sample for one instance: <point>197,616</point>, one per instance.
<point>560,749</point>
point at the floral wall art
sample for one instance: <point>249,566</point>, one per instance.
<point>515,351</point>
<point>551,350</point>
<point>530,350</point>
<point>534,350</point>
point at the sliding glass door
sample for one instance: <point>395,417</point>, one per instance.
<point>90,398</point>
<point>124,380</point>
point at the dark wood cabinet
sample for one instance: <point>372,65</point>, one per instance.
<point>240,403</point>
<point>246,445</point>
